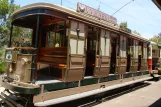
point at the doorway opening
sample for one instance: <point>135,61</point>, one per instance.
<point>91,50</point>
<point>113,55</point>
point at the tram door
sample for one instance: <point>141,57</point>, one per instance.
<point>134,59</point>
<point>114,53</point>
<point>144,63</point>
<point>76,53</point>
<point>92,50</point>
<point>122,58</point>
<point>102,63</point>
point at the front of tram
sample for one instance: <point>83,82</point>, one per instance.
<point>21,60</point>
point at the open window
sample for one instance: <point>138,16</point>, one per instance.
<point>91,50</point>
<point>52,54</point>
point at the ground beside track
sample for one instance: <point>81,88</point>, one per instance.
<point>149,96</point>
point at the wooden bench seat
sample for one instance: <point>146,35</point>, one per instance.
<point>53,60</point>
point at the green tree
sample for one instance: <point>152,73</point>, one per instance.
<point>7,7</point>
<point>137,33</point>
<point>124,24</point>
<point>157,38</point>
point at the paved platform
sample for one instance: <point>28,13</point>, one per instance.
<point>149,96</point>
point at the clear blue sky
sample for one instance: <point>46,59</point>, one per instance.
<point>141,15</point>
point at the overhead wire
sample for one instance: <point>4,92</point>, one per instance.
<point>150,14</point>
<point>128,14</point>
<point>100,2</point>
<point>122,7</point>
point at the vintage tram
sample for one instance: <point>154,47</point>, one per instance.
<point>74,54</point>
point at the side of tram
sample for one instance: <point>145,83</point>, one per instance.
<point>155,58</point>
<point>72,53</point>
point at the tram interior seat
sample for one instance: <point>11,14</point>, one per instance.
<point>52,60</point>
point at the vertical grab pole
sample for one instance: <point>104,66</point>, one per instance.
<point>9,45</point>
<point>35,51</point>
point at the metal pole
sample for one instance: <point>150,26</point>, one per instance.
<point>61,2</point>
<point>9,45</point>
<point>35,51</point>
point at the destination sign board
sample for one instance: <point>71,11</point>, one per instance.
<point>95,13</point>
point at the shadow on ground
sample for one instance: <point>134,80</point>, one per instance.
<point>156,104</point>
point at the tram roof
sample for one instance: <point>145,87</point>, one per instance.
<point>40,8</point>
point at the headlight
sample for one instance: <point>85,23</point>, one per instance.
<point>8,55</point>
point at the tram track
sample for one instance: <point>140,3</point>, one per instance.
<point>103,97</point>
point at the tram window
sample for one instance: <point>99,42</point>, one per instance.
<point>93,45</point>
<point>23,39</point>
<point>54,35</point>
<point>50,39</point>
<point>123,46</point>
<point>145,51</point>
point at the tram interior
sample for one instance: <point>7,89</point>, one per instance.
<point>91,51</point>
<point>113,54</point>
<point>52,54</point>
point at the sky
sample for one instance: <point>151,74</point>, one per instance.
<point>141,15</point>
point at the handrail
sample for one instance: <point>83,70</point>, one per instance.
<point>24,48</point>
<point>55,56</point>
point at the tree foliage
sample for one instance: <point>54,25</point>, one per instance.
<point>7,7</point>
<point>137,33</point>
<point>157,38</point>
<point>124,24</point>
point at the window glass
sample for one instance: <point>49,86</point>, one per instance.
<point>50,39</point>
<point>94,44</point>
<point>123,46</point>
<point>80,47</point>
<point>145,51</point>
<point>108,46</point>
<point>73,46</point>
<point>54,35</point>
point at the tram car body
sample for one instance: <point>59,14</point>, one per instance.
<point>72,53</point>
<point>155,58</point>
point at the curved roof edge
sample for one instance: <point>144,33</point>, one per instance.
<point>74,13</point>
